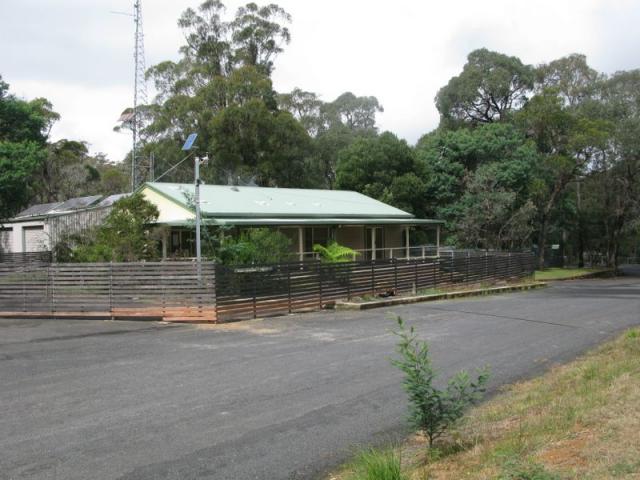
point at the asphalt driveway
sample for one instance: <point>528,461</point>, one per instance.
<point>282,398</point>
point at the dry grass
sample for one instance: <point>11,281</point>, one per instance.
<point>577,421</point>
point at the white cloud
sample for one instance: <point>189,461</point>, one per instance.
<point>401,52</point>
<point>89,113</point>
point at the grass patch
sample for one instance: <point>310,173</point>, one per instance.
<point>376,465</point>
<point>562,273</point>
<point>431,291</point>
<point>577,421</point>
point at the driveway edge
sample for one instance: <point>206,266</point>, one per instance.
<point>388,302</point>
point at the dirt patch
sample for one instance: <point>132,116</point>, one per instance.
<point>252,326</point>
<point>568,453</point>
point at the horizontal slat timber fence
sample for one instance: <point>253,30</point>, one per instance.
<point>25,257</point>
<point>168,290</point>
<point>263,290</point>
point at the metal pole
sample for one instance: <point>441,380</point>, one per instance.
<point>373,243</point>
<point>406,243</point>
<point>300,244</point>
<point>197,201</point>
<point>134,124</point>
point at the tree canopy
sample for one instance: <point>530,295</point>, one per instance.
<point>489,88</point>
<point>524,156</point>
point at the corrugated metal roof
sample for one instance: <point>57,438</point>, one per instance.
<point>77,203</point>
<point>111,199</point>
<point>72,204</point>
<point>220,201</point>
<point>37,210</point>
<point>252,222</point>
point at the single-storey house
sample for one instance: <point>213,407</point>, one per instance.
<point>308,217</point>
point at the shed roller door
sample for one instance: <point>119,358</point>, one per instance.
<point>34,239</point>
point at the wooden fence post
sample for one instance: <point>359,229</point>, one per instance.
<point>320,282</point>
<point>255,279</point>
<point>486,265</point>
<point>53,291</point>
<point>49,292</point>
<point>468,261</point>
<point>373,278</point>
<point>289,286</point>
<point>435,264</point>
<point>111,290</point>
<point>451,268</point>
<point>395,275</point>
<point>24,290</point>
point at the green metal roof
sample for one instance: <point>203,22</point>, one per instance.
<point>237,204</point>
<point>309,221</point>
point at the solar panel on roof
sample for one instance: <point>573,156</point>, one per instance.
<point>111,199</point>
<point>76,203</point>
<point>40,209</point>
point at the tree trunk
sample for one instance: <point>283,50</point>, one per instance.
<point>542,242</point>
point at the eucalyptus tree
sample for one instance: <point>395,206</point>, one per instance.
<point>333,125</point>
<point>618,170</point>
<point>221,89</point>
<point>474,179</point>
<point>385,168</point>
<point>570,141</point>
<point>356,113</point>
<point>571,77</point>
<point>306,107</point>
<point>258,35</point>
<point>490,86</point>
<point>24,130</point>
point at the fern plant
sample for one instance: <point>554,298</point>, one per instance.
<point>335,253</point>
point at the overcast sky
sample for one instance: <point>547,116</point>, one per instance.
<point>79,55</point>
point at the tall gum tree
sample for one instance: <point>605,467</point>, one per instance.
<point>490,86</point>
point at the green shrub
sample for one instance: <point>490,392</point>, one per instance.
<point>432,410</point>
<point>125,236</point>
<point>377,465</point>
<point>255,246</point>
<point>335,253</point>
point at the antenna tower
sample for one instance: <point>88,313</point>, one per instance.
<point>139,90</point>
